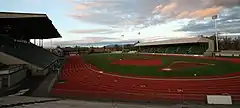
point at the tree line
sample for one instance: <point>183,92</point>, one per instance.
<point>227,42</point>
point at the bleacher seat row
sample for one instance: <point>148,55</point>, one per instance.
<point>175,49</point>
<point>27,52</point>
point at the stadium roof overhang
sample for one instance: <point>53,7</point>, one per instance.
<point>27,26</point>
<point>176,41</point>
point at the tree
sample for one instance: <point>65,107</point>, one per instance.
<point>58,47</point>
<point>136,42</point>
<point>104,48</point>
<point>213,37</point>
<point>238,43</point>
<point>116,47</point>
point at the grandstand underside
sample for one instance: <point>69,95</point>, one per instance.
<point>25,64</point>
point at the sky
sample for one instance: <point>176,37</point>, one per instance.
<point>101,22</point>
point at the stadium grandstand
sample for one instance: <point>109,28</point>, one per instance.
<point>193,45</point>
<point>20,59</point>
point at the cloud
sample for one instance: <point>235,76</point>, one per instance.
<point>228,21</point>
<point>225,3</point>
<point>108,32</point>
<point>133,15</point>
<point>79,16</point>
<point>90,31</point>
<point>123,14</point>
<point>205,12</point>
<point>85,5</point>
<point>168,8</point>
<point>193,8</point>
<point>199,14</point>
<point>93,40</point>
<point>102,43</point>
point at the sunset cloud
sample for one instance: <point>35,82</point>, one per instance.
<point>193,8</point>
<point>205,12</point>
<point>183,14</point>
<point>200,13</point>
<point>168,8</point>
<point>85,5</point>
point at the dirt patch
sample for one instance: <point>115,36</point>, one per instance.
<point>183,64</point>
<point>138,62</point>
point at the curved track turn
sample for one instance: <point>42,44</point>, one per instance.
<point>83,79</point>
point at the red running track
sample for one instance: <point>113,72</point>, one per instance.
<point>82,80</point>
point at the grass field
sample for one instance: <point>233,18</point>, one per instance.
<point>212,67</point>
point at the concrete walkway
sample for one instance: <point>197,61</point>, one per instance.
<point>46,85</point>
<point>36,102</point>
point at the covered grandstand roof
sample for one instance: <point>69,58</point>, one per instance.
<point>176,41</point>
<point>27,26</point>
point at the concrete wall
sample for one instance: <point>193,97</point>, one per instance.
<point>17,76</point>
<point>210,50</point>
<point>210,46</point>
<point>11,60</point>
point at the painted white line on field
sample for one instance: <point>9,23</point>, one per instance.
<point>139,78</point>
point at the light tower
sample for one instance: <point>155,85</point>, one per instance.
<point>123,44</point>
<point>216,31</point>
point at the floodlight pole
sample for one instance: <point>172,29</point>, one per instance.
<point>216,33</point>
<point>122,45</point>
<point>123,48</point>
<point>51,46</point>
<point>42,42</point>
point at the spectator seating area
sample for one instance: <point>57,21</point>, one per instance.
<point>27,51</point>
<point>176,49</point>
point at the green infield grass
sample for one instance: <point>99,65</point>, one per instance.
<point>212,67</point>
